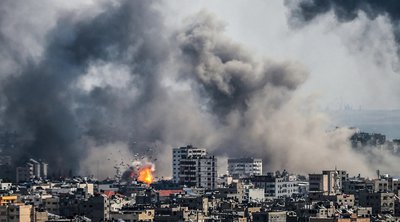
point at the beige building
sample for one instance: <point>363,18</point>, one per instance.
<point>345,200</point>
<point>352,218</point>
<point>135,215</point>
<point>330,182</point>
<point>16,213</point>
<point>279,216</point>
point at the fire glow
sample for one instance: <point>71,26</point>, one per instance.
<point>146,175</point>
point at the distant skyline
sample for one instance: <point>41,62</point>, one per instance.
<point>386,122</point>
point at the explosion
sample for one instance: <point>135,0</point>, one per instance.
<point>140,170</point>
<point>146,175</point>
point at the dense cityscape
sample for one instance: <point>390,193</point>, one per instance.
<point>196,192</point>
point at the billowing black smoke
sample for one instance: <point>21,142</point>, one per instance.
<point>225,72</point>
<point>346,10</point>
<point>115,78</point>
<point>42,100</point>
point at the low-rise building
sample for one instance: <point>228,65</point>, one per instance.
<point>97,208</point>
<point>16,213</point>
<point>279,216</point>
<point>381,203</point>
<point>133,215</point>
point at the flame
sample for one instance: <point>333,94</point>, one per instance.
<point>146,175</point>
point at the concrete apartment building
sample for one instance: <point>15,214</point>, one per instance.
<point>199,172</point>
<point>52,205</point>
<point>276,186</point>
<point>21,213</point>
<point>244,167</point>
<point>381,203</point>
<point>133,215</point>
<point>347,200</point>
<point>15,212</point>
<point>279,216</point>
<point>352,218</point>
<point>31,169</point>
<point>194,168</point>
<point>97,208</point>
<point>330,182</point>
<point>183,153</point>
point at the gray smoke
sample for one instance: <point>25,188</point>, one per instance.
<point>304,11</point>
<point>226,73</point>
<point>42,99</point>
<point>346,10</point>
<point>115,78</point>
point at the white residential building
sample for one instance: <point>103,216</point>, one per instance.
<point>199,172</point>
<point>182,153</point>
<point>194,168</point>
<point>276,186</point>
<point>244,167</point>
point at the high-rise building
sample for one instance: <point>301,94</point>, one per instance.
<point>182,153</point>
<point>32,169</point>
<point>43,170</point>
<point>194,168</point>
<point>25,173</point>
<point>244,167</point>
<point>36,167</point>
<point>199,172</point>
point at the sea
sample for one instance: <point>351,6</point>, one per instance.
<point>386,122</point>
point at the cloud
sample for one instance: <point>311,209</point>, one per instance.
<point>119,78</point>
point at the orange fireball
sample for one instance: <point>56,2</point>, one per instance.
<point>146,175</point>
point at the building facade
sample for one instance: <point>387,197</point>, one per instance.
<point>276,186</point>
<point>381,203</point>
<point>244,167</point>
<point>199,172</point>
<point>330,182</point>
<point>194,168</point>
<point>183,153</point>
<point>32,169</point>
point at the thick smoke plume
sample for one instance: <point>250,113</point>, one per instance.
<point>116,77</point>
<point>346,10</point>
<point>304,11</point>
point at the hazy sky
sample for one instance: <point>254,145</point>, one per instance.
<point>351,63</point>
<point>89,81</point>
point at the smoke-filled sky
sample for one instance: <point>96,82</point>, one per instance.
<point>86,80</point>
